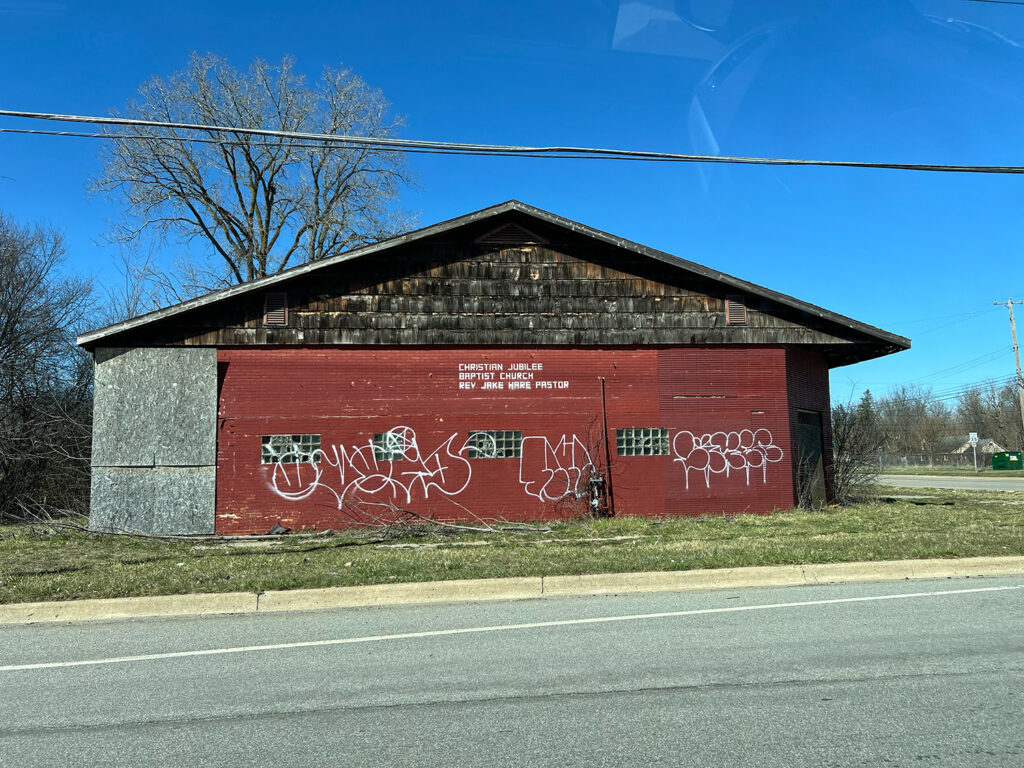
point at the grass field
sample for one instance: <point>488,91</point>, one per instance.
<point>47,564</point>
<point>951,471</point>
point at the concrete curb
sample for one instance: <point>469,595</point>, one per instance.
<point>128,607</point>
<point>530,587</point>
<point>397,594</point>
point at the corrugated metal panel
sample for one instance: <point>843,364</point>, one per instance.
<point>727,410</point>
<point>349,395</point>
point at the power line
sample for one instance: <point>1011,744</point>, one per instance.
<point>884,404</point>
<point>974,362</point>
<point>953,393</point>
<point>935,328</point>
<point>958,392</point>
<point>924,319</point>
<point>239,142</point>
<point>945,395</point>
<point>998,2</point>
<point>449,147</point>
<point>952,370</point>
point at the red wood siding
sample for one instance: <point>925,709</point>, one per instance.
<point>728,411</point>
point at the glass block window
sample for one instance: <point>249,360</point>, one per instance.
<point>389,446</point>
<point>290,449</point>
<point>642,441</point>
<point>495,444</point>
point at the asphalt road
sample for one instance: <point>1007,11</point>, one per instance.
<point>871,674</point>
<point>984,483</point>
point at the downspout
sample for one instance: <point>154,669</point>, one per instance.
<point>607,452</point>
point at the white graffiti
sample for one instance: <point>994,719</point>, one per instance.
<point>350,472</point>
<point>398,470</point>
<point>717,453</point>
<point>554,472</point>
<point>547,471</point>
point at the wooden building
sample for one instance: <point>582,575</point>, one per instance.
<point>507,364</point>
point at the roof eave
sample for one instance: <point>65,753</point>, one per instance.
<point>90,339</point>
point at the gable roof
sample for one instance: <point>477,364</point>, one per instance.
<point>890,342</point>
<point>985,445</point>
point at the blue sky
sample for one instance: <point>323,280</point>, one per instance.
<point>931,81</point>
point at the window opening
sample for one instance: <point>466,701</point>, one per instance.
<point>389,446</point>
<point>290,449</point>
<point>810,465</point>
<point>642,441</point>
<point>495,444</point>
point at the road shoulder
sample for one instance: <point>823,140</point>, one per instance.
<point>536,587</point>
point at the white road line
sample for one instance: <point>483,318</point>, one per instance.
<point>495,628</point>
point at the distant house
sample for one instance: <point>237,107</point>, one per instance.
<point>509,363</point>
<point>986,445</point>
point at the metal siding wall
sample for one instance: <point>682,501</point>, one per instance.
<point>347,395</point>
<point>732,400</point>
<point>807,386</point>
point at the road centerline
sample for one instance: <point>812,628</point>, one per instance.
<point>496,628</point>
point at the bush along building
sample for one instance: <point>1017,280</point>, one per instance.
<point>508,364</point>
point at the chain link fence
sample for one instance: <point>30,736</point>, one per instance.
<point>965,460</point>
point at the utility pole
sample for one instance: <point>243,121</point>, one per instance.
<point>1016,354</point>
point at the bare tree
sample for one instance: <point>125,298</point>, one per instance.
<point>912,420</point>
<point>45,380</point>
<point>992,411</point>
<point>856,439</point>
<point>257,204</point>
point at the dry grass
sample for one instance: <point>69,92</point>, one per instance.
<point>54,565</point>
<point>954,471</point>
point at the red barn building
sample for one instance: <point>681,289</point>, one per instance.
<point>507,364</point>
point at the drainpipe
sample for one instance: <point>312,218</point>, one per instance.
<point>607,452</point>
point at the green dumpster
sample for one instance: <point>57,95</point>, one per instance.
<point>1008,460</point>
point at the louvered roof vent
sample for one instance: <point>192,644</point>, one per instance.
<point>275,309</point>
<point>511,234</point>
<point>735,310</point>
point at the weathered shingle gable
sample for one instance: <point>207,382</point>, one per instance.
<point>466,283</point>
